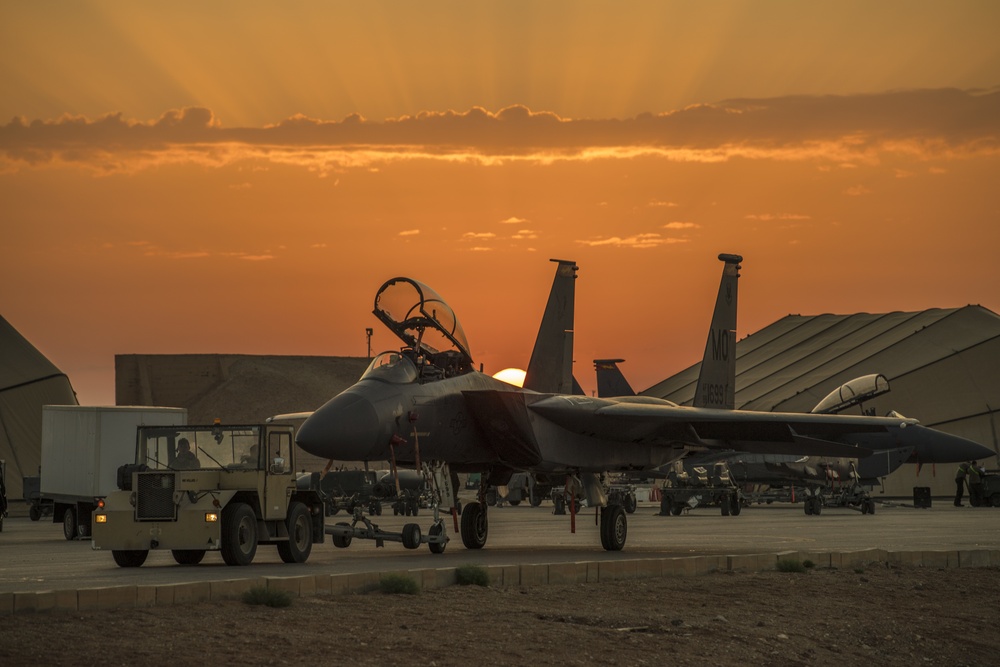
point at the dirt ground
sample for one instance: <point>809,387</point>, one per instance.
<point>874,615</point>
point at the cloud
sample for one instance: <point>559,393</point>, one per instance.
<point>681,225</point>
<point>468,236</point>
<point>661,204</point>
<point>835,130</point>
<point>767,217</point>
<point>857,191</point>
<point>640,241</point>
<point>409,232</point>
<point>524,234</point>
<point>513,220</point>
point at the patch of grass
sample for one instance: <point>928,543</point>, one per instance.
<point>808,564</point>
<point>398,584</point>
<point>259,595</point>
<point>472,575</point>
<point>789,565</point>
<point>859,570</point>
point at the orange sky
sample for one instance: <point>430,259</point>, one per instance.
<point>183,178</point>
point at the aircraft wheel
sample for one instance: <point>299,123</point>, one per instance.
<point>514,503</point>
<point>808,505</point>
<point>817,506</point>
<point>436,548</point>
<point>614,528</point>
<point>188,556</point>
<point>411,535</point>
<point>534,498</point>
<point>340,541</point>
<point>299,544</point>
<point>475,526</point>
<point>239,534</point>
<point>491,497</point>
<point>735,506</point>
<point>560,505</point>
<point>129,558</point>
<point>995,500</point>
<point>676,509</point>
<point>630,503</point>
<point>725,506</point>
<point>69,524</point>
<point>34,513</point>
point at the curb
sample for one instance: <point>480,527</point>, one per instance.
<point>505,576</point>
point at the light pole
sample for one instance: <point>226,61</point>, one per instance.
<point>369,332</point>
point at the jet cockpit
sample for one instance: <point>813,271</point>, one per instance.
<point>436,346</point>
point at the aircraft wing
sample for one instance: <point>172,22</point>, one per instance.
<point>509,415</point>
<point>749,431</point>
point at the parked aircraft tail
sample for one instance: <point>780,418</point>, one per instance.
<point>610,381</point>
<point>717,378</point>
<point>550,369</point>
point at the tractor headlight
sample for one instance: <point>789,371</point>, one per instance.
<point>211,517</point>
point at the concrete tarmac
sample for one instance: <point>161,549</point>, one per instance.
<point>36,557</point>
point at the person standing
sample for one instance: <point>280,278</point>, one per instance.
<point>975,484</point>
<point>960,475</point>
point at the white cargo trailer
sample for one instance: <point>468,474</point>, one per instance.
<point>82,448</point>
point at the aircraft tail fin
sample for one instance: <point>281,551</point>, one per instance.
<point>550,369</point>
<point>717,378</point>
<point>610,381</point>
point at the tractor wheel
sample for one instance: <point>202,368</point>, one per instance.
<point>188,556</point>
<point>129,558</point>
<point>239,534</point>
<point>299,544</point>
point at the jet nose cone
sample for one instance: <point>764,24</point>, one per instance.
<point>345,428</point>
<point>938,447</point>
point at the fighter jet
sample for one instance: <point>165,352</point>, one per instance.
<point>716,389</point>
<point>426,402</point>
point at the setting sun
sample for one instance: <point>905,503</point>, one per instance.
<point>514,376</point>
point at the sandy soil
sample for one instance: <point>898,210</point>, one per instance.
<point>876,615</point>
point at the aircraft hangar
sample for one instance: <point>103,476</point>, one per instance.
<point>28,380</point>
<point>943,367</point>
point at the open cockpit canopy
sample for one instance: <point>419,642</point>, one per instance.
<point>422,319</point>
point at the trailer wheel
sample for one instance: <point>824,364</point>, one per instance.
<point>735,505</point>
<point>614,528</point>
<point>239,534</point>
<point>299,544</point>
<point>725,506</point>
<point>475,527</point>
<point>187,556</point>
<point>129,558</point>
<point>411,535</point>
<point>436,548</point>
<point>676,509</point>
<point>34,513</point>
<point>342,541</point>
<point>995,500</point>
<point>69,523</point>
